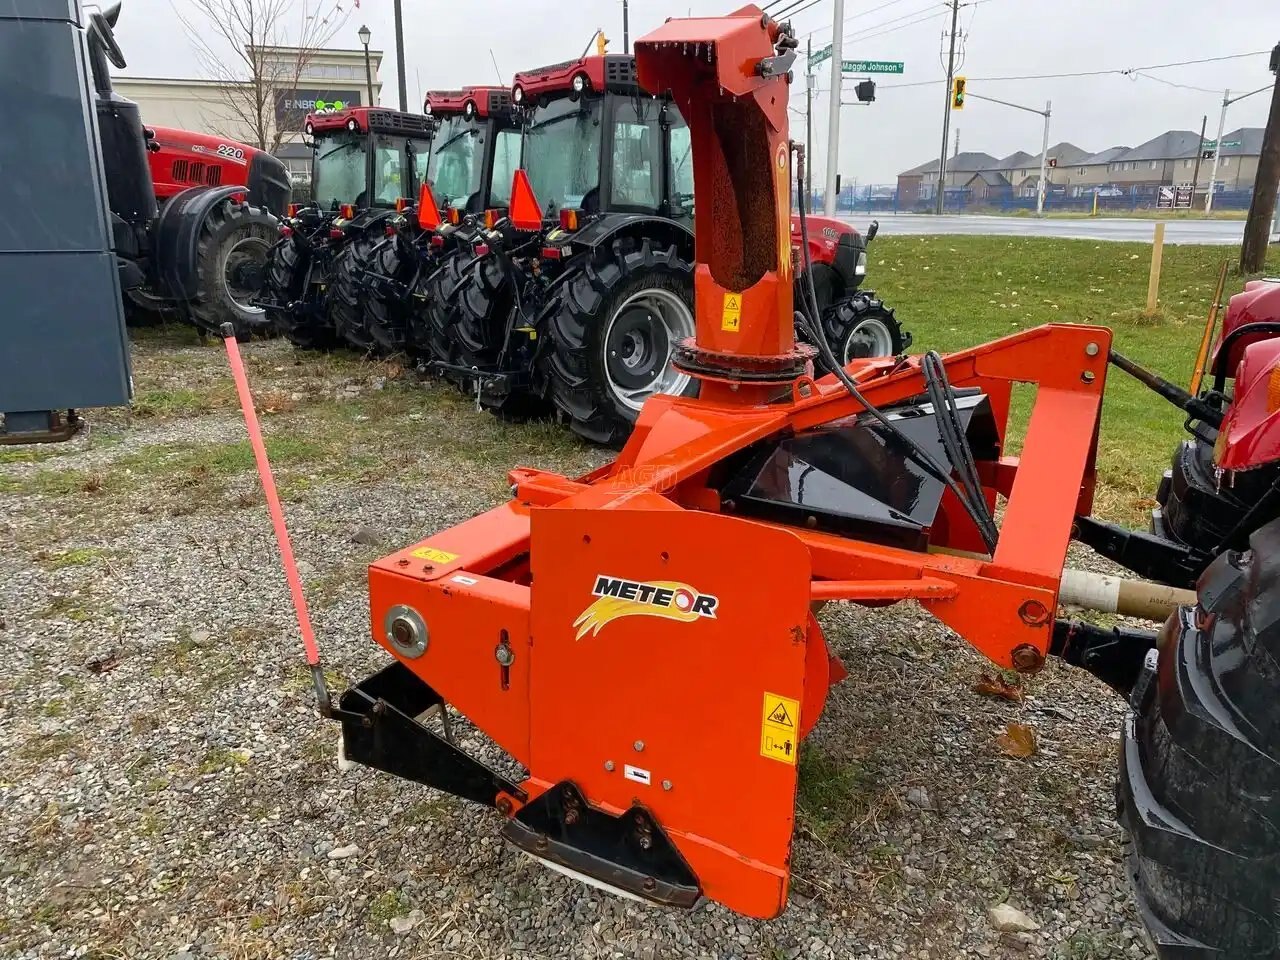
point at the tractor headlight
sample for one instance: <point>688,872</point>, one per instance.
<point>427,109</point>
<point>860,270</point>
<point>518,94</point>
<point>579,83</point>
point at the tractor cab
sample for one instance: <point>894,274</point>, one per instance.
<point>367,158</point>
<point>477,152</point>
<point>595,143</point>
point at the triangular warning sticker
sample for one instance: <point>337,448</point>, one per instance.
<point>780,716</point>
<point>525,212</point>
<point>731,303</point>
<point>428,214</point>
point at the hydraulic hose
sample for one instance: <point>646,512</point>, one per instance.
<point>813,326</point>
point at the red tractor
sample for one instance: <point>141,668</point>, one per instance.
<point>585,310</point>
<point>193,216</point>
<point>477,150</point>
<point>366,165</point>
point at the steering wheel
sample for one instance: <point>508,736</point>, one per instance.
<point>101,28</point>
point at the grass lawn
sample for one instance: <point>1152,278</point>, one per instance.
<point>953,292</point>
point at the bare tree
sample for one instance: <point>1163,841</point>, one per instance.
<point>238,43</point>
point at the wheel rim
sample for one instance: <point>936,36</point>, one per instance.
<point>244,271</point>
<point>870,338</point>
<point>639,342</point>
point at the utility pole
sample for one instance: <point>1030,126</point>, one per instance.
<point>946,115</point>
<point>1044,159</point>
<point>626,28</point>
<point>1257,229</point>
<point>1195,173</point>
<point>1227,100</point>
<point>837,95</point>
<point>404,91</point>
<point>956,153</point>
<point>1217,150</point>
<point>808,126</point>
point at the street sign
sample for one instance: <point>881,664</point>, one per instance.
<point>1233,143</point>
<point>821,56</point>
<point>870,66</point>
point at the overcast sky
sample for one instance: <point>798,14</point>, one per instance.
<point>448,46</point>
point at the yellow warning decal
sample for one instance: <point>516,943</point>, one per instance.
<point>434,555</point>
<point>779,731</point>
<point>731,318</point>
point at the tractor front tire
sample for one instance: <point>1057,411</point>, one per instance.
<point>614,327</point>
<point>346,295</point>
<point>286,284</point>
<point>232,254</point>
<point>1199,785</point>
<point>860,325</point>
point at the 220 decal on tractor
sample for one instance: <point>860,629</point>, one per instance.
<point>641,640</point>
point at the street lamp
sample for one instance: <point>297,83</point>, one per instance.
<point>365,36</point>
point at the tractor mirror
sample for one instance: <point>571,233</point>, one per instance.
<point>873,230</point>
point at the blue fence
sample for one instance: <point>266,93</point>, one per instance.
<point>886,199</point>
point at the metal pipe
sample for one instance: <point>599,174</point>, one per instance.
<point>1128,598</point>
<point>1217,150</point>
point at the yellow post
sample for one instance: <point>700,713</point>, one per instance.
<point>1157,257</point>
<point>1095,203</point>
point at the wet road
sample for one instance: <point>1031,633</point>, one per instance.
<point>1104,228</point>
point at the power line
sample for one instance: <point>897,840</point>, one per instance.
<point>1118,71</point>
<point>885,23</point>
<point>1170,83</point>
<point>901,26</point>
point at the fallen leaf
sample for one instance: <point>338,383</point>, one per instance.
<point>104,664</point>
<point>1018,740</point>
<point>990,686</point>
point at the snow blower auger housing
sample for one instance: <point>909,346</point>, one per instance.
<point>640,639</point>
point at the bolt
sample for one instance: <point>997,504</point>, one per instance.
<point>666,784</point>
<point>1088,376</point>
<point>639,745</point>
<point>504,806</point>
<point>645,841</point>
<point>1027,659</point>
<point>1033,613</point>
<point>571,816</point>
<point>402,563</point>
<point>1091,350</point>
<point>608,765</point>
<point>650,884</point>
<point>540,843</point>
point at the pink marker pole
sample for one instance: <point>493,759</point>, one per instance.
<point>277,517</point>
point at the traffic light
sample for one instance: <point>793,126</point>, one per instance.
<point>957,93</point>
<point>866,91</point>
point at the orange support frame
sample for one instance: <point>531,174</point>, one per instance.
<point>690,688</point>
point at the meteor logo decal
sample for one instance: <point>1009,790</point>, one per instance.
<point>619,598</point>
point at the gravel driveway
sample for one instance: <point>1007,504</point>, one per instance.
<point>167,790</point>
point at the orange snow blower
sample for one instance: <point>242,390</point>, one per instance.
<point>640,639</point>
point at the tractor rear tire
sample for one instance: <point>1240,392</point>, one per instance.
<point>232,253</point>
<point>443,289</point>
<point>482,313</point>
<point>286,283</point>
<point>1199,785</point>
<point>390,318</point>
<point>860,325</point>
<point>346,294</point>
<point>614,326</point>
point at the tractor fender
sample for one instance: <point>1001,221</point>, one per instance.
<point>176,238</point>
<point>609,227</point>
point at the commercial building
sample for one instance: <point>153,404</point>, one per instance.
<point>269,115</point>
